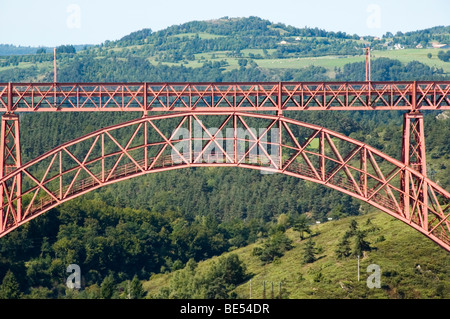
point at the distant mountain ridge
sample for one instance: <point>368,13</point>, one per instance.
<point>219,49</point>
<point>10,49</point>
<point>251,27</point>
<point>248,26</point>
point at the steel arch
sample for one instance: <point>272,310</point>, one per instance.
<point>278,145</point>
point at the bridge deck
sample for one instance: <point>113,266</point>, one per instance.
<point>219,97</point>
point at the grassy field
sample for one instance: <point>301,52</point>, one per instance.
<point>408,55</point>
<point>328,62</point>
<point>411,265</point>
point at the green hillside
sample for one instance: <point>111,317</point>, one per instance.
<point>411,266</point>
<point>232,43</point>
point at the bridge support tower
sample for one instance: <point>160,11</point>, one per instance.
<point>413,155</point>
<point>10,159</point>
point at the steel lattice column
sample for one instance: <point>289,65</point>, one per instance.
<point>10,158</point>
<point>413,155</point>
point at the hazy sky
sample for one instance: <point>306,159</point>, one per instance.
<point>56,22</point>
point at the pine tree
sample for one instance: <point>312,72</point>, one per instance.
<point>136,291</point>
<point>309,252</point>
<point>343,250</point>
<point>10,287</point>
<point>107,287</point>
<point>231,269</point>
<point>361,244</point>
<point>301,225</point>
<point>353,227</point>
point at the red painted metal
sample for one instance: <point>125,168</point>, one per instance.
<point>368,71</point>
<point>414,142</point>
<point>54,66</point>
<point>10,159</point>
<point>404,192</point>
<point>280,145</point>
<point>219,97</point>
<point>413,155</point>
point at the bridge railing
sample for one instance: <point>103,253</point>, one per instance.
<point>239,96</point>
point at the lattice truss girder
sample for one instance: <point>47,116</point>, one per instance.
<point>272,144</point>
<point>263,96</point>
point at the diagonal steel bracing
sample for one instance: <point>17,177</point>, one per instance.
<point>142,146</point>
<point>218,97</point>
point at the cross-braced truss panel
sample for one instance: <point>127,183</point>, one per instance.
<point>272,144</point>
